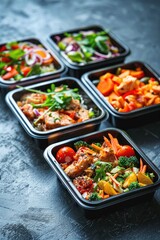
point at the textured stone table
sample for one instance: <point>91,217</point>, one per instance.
<point>33,203</point>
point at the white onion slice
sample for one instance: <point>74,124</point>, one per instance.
<point>30,60</point>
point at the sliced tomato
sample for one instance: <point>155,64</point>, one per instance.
<point>15,46</point>
<point>6,59</point>
<point>25,70</point>
<point>10,74</point>
<point>65,155</point>
<point>126,151</point>
<point>3,48</point>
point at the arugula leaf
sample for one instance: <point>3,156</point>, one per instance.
<point>76,57</point>
<point>16,54</point>
<point>2,64</point>
<point>10,44</point>
<point>78,37</point>
<point>100,42</point>
<point>67,34</point>
<point>58,100</point>
<point>36,70</point>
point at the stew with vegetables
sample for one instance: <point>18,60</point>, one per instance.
<point>128,90</point>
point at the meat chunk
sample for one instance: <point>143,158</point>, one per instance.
<point>74,105</point>
<point>83,114</point>
<point>107,155</point>
<point>35,98</point>
<point>129,83</point>
<point>27,109</point>
<point>78,167</point>
<point>56,119</point>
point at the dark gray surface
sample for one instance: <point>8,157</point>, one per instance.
<point>33,203</point>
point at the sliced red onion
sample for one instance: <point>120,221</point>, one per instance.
<point>72,47</point>
<point>36,112</point>
<point>57,38</point>
<point>39,59</point>
<point>30,60</point>
<point>98,54</point>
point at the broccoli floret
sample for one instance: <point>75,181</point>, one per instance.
<point>94,196</point>
<point>120,179</point>
<point>133,185</point>
<point>81,143</point>
<point>128,161</point>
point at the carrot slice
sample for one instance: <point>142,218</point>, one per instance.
<point>113,179</point>
<point>105,86</point>
<point>48,61</point>
<point>96,147</point>
<point>144,169</point>
<point>137,74</point>
<point>107,142</point>
<point>141,165</point>
<point>114,143</point>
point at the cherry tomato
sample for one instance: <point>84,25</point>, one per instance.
<point>125,150</point>
<point>65,155</point>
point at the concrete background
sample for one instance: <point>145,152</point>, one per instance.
<point>33,203</point>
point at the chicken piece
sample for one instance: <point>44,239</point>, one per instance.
<point>107,155</point>
<point>27,109</point>
<point>83,161</point>
<point>74,105</point>
<point>66,120</point>
<point>56,119</point>
<point>156,89</point>
<point>129,83</point>
<point>34,98</point>
<point>83,114</point>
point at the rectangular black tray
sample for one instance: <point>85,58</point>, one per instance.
<point>75,69</point>
<point>124,120</point>
<point>45,138</point>
<point>95,206</point>
<point>59,72</point>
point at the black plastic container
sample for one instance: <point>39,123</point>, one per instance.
<point>44,138</point>
<point>117,200</point>
<point>59,66</point>
<point>124,120</point>
<point>75,69</point>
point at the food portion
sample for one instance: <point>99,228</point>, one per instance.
<point>104,169</point>
<point>19,60</point>
<point>128,90</point>
<point>87,46</point>
<point>59,106</point>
